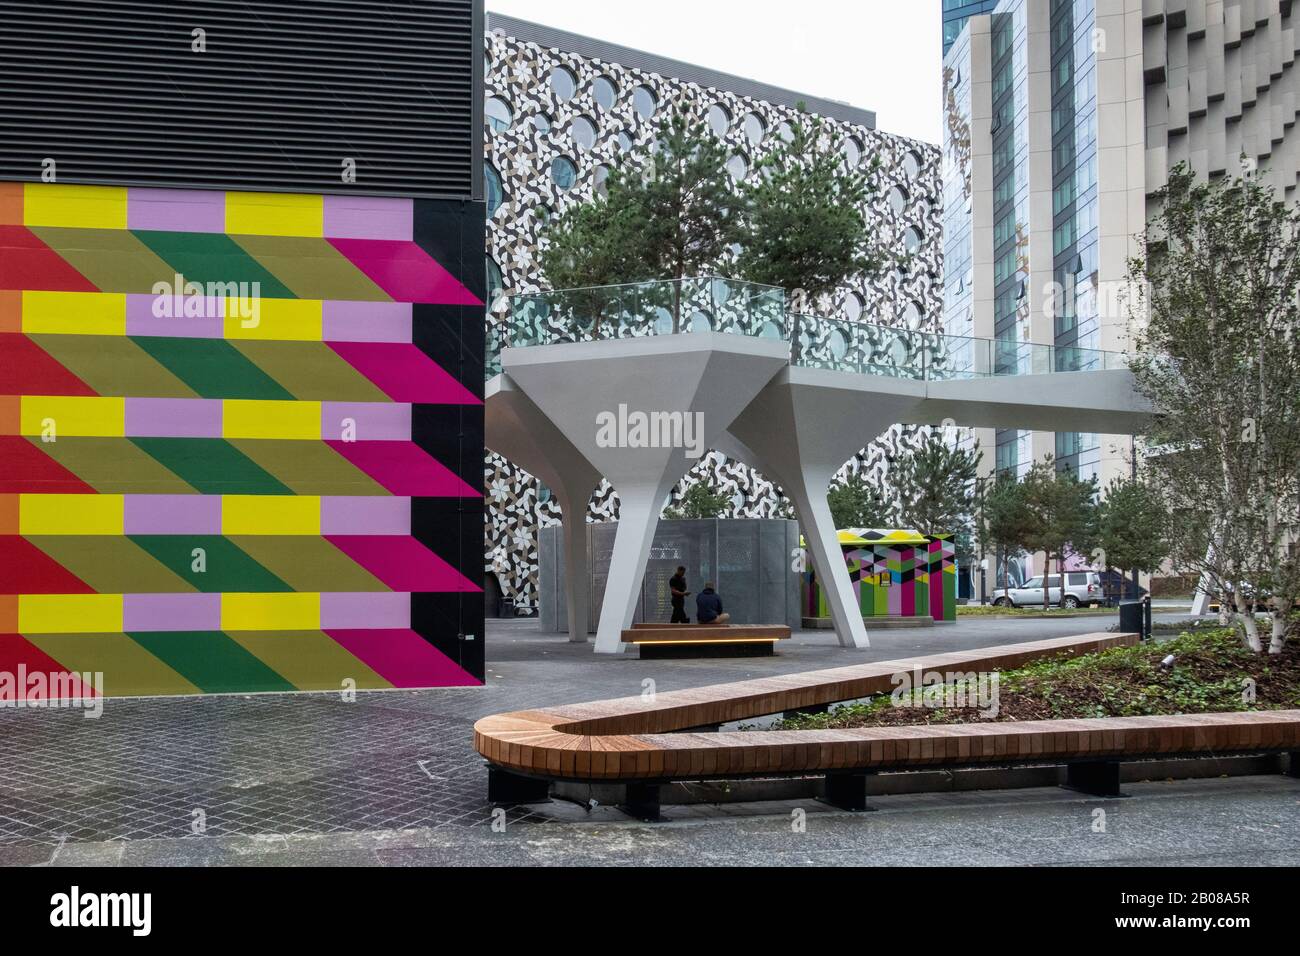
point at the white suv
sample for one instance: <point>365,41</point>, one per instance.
<point>1082,588</point>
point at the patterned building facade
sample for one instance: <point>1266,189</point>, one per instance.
<point>561,110</point>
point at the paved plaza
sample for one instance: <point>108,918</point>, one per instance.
<point>392,778</point>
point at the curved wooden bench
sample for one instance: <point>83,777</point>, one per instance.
<point>645,743</point>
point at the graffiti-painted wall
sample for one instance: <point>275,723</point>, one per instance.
<point>240,439</point>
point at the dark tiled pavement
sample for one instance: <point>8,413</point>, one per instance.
<point>268,777</point>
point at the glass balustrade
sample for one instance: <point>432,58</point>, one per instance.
<point>714,304</point>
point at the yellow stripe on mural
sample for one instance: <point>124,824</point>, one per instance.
<point>276,320</point>
<point>69,613</point>
<point>270,514</point>
<point>74,313</point>
<point>269,612</point>
<point>85,207</point>
<point>274,214</point>
<point>83,416</point>
<point>258,418</point>
<point>71,514</point>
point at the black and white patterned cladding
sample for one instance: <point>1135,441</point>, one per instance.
<point>549,140</point>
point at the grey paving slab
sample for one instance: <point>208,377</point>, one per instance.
<point>392,779</point>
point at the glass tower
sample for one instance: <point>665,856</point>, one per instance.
<point>955,13</point>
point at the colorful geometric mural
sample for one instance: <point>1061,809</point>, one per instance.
<point>236,433</point>
<point>895,573</point>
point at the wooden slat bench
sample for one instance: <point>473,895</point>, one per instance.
<point>705,640</point>
<point>644,744</point>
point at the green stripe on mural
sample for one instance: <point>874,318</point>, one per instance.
<point>213,466</point>
<point>312,268</point>
<point>111,564</point>
<point>311,659</point>
<point>307,563</point>
<point>212,367</point>
<point>129,670</point>
<point>211,661</point>
<point>114,366</point>
<point>308,467</point>
<point>205,257</point>
<point>221,566</point>
<point>312,371</point>
<point>114,466</point>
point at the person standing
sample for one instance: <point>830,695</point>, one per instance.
<point>677,588</point>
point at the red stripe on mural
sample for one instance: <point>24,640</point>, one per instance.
<point>27,369</point>
<point>25,469</point>
<point>28,263</point>
<point>404,658</point>
<point>20,656</point>
<point>402,563</point>
<point>26,569</point>
<point>403,468</point>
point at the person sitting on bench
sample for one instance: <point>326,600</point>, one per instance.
<point>708,607</point>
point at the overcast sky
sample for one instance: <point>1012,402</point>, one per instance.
<point>884,55</point>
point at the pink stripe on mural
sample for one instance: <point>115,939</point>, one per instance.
<point>173,418</point>
<point>405,271</point>
<point>141,320</point>
<point>371,421</point>
<point>403,468</point>
<point>175,210</point>
<point>364,609</point>
<point>403,658</point>
<point>368,217</point>
<point>403,564</point>
<point>173,514</point>
<point>171,612</point>
<point>366,321</point>
<point>404,373</point>
<point>365,515</point>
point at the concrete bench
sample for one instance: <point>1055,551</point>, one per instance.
<point>657,641</point>
<point>643,744</point>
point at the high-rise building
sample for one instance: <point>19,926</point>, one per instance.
<point>562,110</point>
<point>241,345</point>
<point>955,15</point>
<point>1062,118</point>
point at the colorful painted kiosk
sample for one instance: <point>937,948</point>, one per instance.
<point>896,574</point>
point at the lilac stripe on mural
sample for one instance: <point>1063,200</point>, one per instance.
<point>367,322</point>
<point>365,421</point>
<point>176,210</point>
<point>173,417</point>
<point>364,610</point>
<point>365,515</point>
<point>171,612</point>
<point>147,315</point>
<point>368,217</point>
<point>173,514</point>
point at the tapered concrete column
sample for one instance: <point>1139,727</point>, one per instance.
<point>800,431</point>
<point>616,402</point>
<point>517,429</point>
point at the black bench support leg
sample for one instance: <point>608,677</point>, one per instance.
<point>642,801</point>
<point>848,791</point>
<point>1293,764</point>
<point>1100,778</point>
<point>507,787</point>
